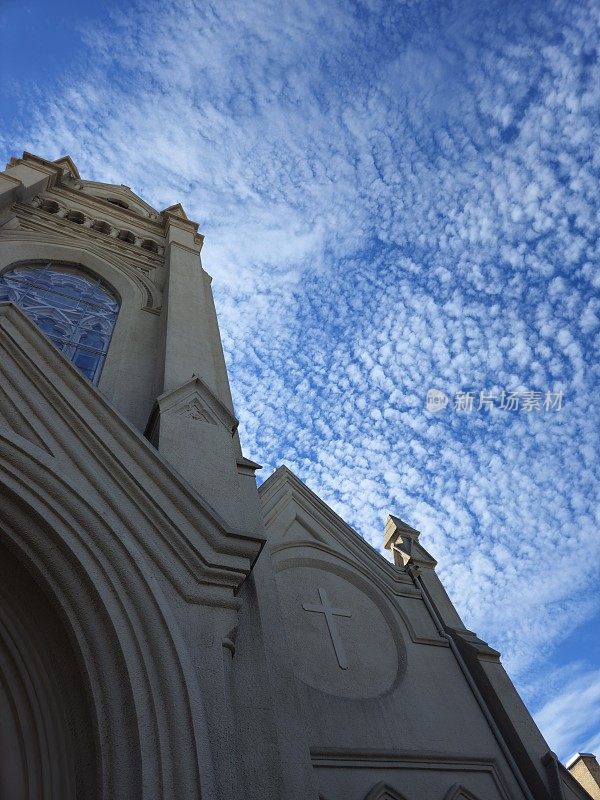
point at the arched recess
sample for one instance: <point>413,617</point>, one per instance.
<point>128,373</point>
<point>132,660</point>
<point>47,747</point>
<point>382,791</point>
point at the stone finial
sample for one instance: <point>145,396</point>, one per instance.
<point>585,769</point>
<point>403,541</point>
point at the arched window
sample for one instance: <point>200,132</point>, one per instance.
<point>101,226</point>
<point>51,206</point>
<point>150,244</point>
<point>75,216</point>
<point>126,236</point>
<point>76,311</point>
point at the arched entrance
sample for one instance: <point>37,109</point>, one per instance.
<point>118,721</point>
<point>46,730</point>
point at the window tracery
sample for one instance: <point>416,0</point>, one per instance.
<point>76,311</point>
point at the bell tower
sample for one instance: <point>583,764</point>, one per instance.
<point>162,364</point>
<point>128,509</point>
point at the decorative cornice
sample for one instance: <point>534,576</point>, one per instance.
<point>11,179</point>
<point>460,792</point>
<point>69,200</point>
<point>173,215</point>
<point>411,759</point>
<point>57,169</point>
<point>336,758</point>
<point>128,216</point>
<point>246,466</point>
<point>193,250</point>
<point>175,221</point>
<point>482,649</point>
<point>48,167</point>
<point>34,219</point>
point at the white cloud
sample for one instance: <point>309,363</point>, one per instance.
<point>570,719</point>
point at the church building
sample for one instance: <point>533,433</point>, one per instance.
<point>167,630</point>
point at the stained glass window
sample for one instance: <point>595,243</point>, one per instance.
<point>76,311</point>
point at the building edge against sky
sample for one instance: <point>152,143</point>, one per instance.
<point>159,616</point>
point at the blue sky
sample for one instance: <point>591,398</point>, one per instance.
<point>395,197</point>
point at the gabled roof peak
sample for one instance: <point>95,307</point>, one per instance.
<point>176,210</point>
<point>119,194</point>
<point>283,480</point>
<point>66,162</point>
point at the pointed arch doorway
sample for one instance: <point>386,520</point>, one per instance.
<point>47,749</point>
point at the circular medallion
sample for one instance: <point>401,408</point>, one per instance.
<point>343,633</point>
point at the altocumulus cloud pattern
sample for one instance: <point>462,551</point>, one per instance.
<point>396,197</point>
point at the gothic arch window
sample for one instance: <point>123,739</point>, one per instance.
<point>77,311</point>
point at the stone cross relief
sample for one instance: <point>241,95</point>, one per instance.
<point>330,613</point>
